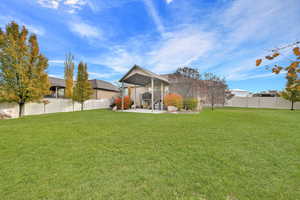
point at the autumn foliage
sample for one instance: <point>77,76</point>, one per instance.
<point>69,73</point>
<point>190,103</point>
<point>83,89</point>
<point>292,71</point>
<point>23,76</point>
<point>173,100</point>
<point>127,102</point>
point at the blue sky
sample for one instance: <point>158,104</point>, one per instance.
<point>220,36</point>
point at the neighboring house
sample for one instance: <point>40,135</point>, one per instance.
<point>144,84</point>
<point>270,93</point>
<point>57,88</point>
<point>104,90</point>
<point>240,93</point>
<point>101,89</point>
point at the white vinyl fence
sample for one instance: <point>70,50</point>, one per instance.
<point>261,102</point>
<point>55,105</point>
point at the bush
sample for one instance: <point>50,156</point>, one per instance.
<point>190,103</point>
<point>127,102</point>
<point>173,100</point>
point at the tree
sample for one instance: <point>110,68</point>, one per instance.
<point>216,87</point>
<point>291,92</point>
<point>189,72</point>
<point>69,75</point>
<point>292,71</point>
<point>291,95</point>
<point>185,82</point>
<point>23,76</point>
<point>83,89</point>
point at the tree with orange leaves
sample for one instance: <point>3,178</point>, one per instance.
<point>292,90</point>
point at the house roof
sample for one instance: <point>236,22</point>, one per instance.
<point>57,82</point>
<point>96,84</point>
<point>238,90</point>
<point>99,84</point>
<point>141,76</point>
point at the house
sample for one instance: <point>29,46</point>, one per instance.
<point>240,93</point>
<point>148,89</point>
<point>57,87</point>
<point>101,89</point>
<point>104,90</point>
<point>269,93</point>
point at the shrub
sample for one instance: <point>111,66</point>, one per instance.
<point>127,102</point>
<point>190,103</point>
<point>173,100</point>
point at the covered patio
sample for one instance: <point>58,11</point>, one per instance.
<point>154,86</point>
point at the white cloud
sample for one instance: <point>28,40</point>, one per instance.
<point>70,6</point>
<point>75,5</point>
<point>154,15</point>
<point>119,59</point>
<point>250,31</point>
<point>56,61</point>
<point>36,29</point>
<point>181,48</point>
<point>31,27</point>
<point>85,30</point>
<point>54,4</point>
<point>174,49</point>
<point>101,75</point>
<point>169,1</point>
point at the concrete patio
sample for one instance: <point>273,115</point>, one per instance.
<point>139,110</point>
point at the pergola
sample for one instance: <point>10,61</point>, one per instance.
<point>142,77</point>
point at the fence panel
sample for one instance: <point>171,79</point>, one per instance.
<point>54,106</point>
<point>261,102</point>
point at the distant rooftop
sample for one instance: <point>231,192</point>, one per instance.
<point>99,84</point>
<point>57,82</point>
<point>96,84</point>
<point>239,90</point>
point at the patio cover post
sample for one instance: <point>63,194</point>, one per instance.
<point>122,95</point>
<point>152,94</point>
<point>135,97</point>
<point>56,92</point>
<point>162,95</point>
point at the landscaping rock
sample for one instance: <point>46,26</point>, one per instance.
<point>172,109</point>
<point>4,114</point>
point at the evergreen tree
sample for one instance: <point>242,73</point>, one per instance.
<point>83,89</point>
<point>69,73</point>
<point>23,76</point>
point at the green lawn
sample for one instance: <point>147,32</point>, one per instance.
<point>225,154</point>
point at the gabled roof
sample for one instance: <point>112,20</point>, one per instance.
<point>99,84</point>
<point>57,82</point>
<point>144,72</point>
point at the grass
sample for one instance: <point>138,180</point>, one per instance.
<point>225,154</point>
